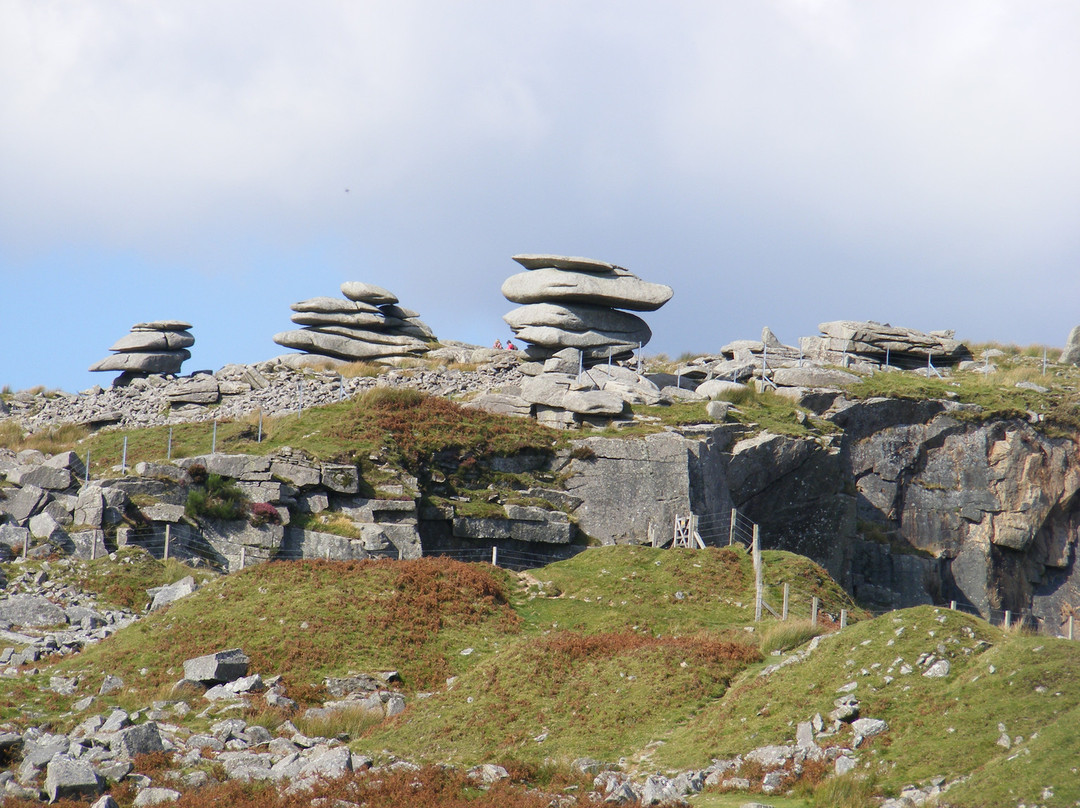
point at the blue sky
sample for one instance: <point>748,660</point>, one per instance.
<point>781,163</point>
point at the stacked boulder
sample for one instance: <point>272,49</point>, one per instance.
<point>367,325</point>
<point>1071,354</point>
<point>158,347</point>
<point>577,303</point>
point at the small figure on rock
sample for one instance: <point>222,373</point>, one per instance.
<point>498,345</point>
<point>510,346</point>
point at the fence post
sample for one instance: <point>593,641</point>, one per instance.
<point>243,557</point>
<point>26,544</point>
<point>123,460</point>
<point>327,553</point>
<point>1008,618</point>
<point>813,611</point>
<point>494,556</point>
<point>86,479</point>
<point>731,530</point>
<point>784,612</point>
<point>299,398</point>
<point>168,535</point>
<point>843,618</point>
<point>260,427</point>
<point>213,440</point>
<point>168,450</point>
<point>757,575</point>
<point>93,547</point>
<point>952,605</point>
<point>1070,626</point>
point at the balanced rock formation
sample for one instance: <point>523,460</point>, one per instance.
<point>367,325</point>
<point>157,347</point>
<point>576,303</point>
<point>882,343</point>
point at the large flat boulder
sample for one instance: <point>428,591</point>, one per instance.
<point>340,347</point>
<point>579,317</point>
<point>32,611</point>
<point>616,288</point>
<point>217,668</point>
<point>567,262</point>
<point>68,778</point>
<point>367,293</point>
<point>1071,354</point>
<point>349,319</point>
<point>557,338</point>
<point>331,305</point>
<point>153,341</point>
<point>162,325</point>
<point>153,362</point>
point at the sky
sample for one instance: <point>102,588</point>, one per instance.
<point>777,162</point>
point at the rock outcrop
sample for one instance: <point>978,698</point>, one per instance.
<point>367,325</point>
<point>1071,354</point>
<point>882,343</point>
<point>158,347</point>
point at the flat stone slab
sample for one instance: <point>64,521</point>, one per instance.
<point>31,610</point>
<point>567,262</point>
<point>153,341</point>
<point>617,288</point>
<point>578,317</point>
<point>349,319</point>
<point>340,347</point>
<point>330,305</point>
<point>162,325</point>
<point>557,338</point>
<point>367,293</point>
<point>72,779</point>
<point>156,362</point>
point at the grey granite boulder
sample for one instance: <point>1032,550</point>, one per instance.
<point>33,611</point>
<point>138,740</point>
<point>164,595</point>
<point>616,288</point>
<point>339,347</point>
<point>1071,354</point>
<point>367,293</point>
<point>333,305</point>
<point>72,779</point>
<point>152,341</point>
<point>812,376</point>
<point>567,262</point>
<point>217,668</point>
<point>160,362</point>
<point>579,317</point>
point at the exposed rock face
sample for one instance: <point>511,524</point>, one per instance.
<point>616,288</point>
<point>367,325</point>
<point>158,347</point>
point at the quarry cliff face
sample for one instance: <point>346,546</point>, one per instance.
<point>913,502</point>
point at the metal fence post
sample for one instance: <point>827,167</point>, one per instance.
<point>1070,635</point>
<point>168,530</point>
<point>952,605</point>
<point>784,611</point>
<point>757,575</point>
<point>299,398</point>
<point>123,461</point>
<point>260,427</point>
<point>168,450</point>
<point>494,556</point>
<point>213,440</point>
<point>243,557</point>
<point>814,610</point>
<point>93,547</point>
<point>1008,619</point>
<point>26,544</point>
<point>843,618</point>
<point>731,530</point>
<point>86,479</point>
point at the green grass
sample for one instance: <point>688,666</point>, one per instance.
<point>620,653</point>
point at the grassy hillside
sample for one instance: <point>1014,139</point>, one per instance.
<point>631,655</point>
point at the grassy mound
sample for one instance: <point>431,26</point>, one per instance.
<point>937,726</point>
<point>311,619</point>
<point>567,695</point>
<point>671,591</point>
